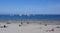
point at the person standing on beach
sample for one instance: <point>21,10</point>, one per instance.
<point>21,22</point>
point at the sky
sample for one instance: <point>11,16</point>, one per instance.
<point>29,6</point>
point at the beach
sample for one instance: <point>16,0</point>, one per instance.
<point>31,27</point>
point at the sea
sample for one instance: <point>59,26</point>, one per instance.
<point>37,17</point>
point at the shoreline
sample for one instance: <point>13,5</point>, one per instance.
<point>38,22</point>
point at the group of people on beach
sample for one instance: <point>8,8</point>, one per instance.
<point>52,28</point>
<point>22,23</point>
<point>4,26</point>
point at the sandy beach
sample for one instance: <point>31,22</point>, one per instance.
<point>30,28</point>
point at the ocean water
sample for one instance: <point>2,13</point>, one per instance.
<point>30,17</point>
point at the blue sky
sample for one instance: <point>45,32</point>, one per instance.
<point>29,6</point>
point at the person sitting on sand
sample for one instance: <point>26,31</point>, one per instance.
<point>52,30</point>
<point>19,25</point>
<point>45,24</point>
<point>58,27</point>
<point>5,26</point>
<point>27,22</point>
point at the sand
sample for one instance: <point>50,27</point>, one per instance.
<point>29,28</point>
